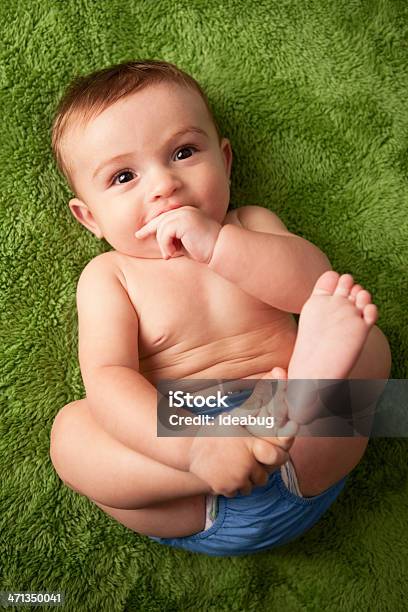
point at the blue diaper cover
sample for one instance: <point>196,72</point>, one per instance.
<point>270,516</point>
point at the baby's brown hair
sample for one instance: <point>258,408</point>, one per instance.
<point>88,95</point>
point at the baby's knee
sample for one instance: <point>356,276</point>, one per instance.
<point>65,424</point>
<point>381,352</point>
<point>374,361</point>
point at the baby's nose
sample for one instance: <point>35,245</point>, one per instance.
<point>164,184</point>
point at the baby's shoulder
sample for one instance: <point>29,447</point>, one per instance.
<point>260,219</point>
<point>242,216</point>
<point>108,264</point>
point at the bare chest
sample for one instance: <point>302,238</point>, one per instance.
<point>194,323</point>
<point>183,303</point>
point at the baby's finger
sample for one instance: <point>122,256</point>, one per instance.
<point>281,434</point>
<point>259,430</point>
<point>283,442</point>
<point>269,454</point>
<point>288,431</point>
<point>164,236</point>
<point>262,391</point>
<point>277,408</point>
<point>146,230</point>
<point>171,247</point>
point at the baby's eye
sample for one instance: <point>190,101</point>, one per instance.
<point>185,149</point>
<point>119,175</point>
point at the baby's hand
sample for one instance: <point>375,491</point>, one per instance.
<point>235,464</point>
<point>187,225</point>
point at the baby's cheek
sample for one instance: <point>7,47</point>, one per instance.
<point>218,196</point>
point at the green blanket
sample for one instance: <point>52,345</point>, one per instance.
<point>313,96</point>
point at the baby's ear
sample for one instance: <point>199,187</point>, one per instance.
<point>82,214</point>
<point>227,153</point>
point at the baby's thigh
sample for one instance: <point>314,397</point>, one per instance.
<point>320,462</point>
<point>92,463</point>
<point>172,519</point>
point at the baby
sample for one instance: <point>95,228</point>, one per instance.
<point>193,290</point>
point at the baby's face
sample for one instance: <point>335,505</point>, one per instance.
<point>154,167</point>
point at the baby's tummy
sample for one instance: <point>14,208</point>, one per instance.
<point>244,355</point>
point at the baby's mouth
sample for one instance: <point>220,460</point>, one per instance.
<point>164,210</point>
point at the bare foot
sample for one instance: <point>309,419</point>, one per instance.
<point>262,405</point>
<point>333,327</point>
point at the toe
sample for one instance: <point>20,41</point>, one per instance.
<point>354,292</point>
<point>344,285</point>
<point>370,314</point>
<point>362,299</point>
<point>326,283</point>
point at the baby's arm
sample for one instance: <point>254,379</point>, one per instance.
<point>121,400</point>
<point>267,261</point>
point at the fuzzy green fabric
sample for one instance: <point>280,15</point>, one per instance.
<point>313,96</point>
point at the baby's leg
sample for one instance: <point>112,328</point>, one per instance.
<point>142,494</point>
<point>336,340</point>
